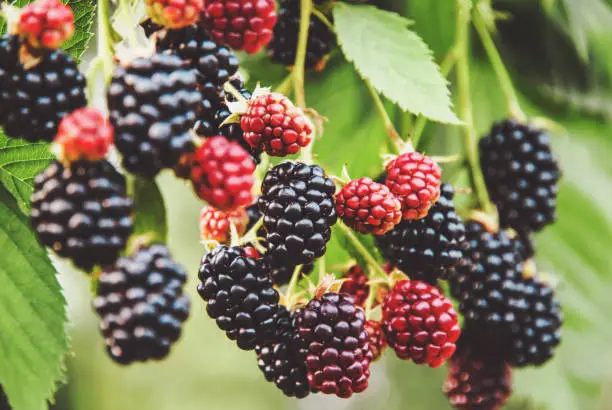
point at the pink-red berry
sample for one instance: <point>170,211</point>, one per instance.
<point>420,323</point>
<point>273,124</point>
<point>242,24</point>
<point>368,207</point>
<point>221,172</point>
<point>83,134</point>
<point>376,336</point>
<point>46,24</point>
<point>356,284</point>
<point>216,225</point>
<point>174,13</point>
<point>415,180</point>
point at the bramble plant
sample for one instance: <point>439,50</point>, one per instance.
<point>350,211</point>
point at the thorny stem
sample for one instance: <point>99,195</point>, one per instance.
<point>396,140</point>
<point>300,57</point>
<point>378,270</point>
<point>465,106</point>
<point>496,61</point>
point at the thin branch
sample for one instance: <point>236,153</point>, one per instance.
<point>300,56</point>
<point>396,140</point>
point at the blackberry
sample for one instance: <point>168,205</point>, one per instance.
<point>521,175</point>
<point>240,296</point>
<point>33,101</point>
<point>298,208</point>
<point>82,212</point>
<point>150,27</point>
<point>142,306</point>
<point>427,249</point>
<point>536,333</point>
<point>487,282</point>
<point>153,103</point>
<point>280,362</point>
<point>333,341</point>
<point>282,48</point>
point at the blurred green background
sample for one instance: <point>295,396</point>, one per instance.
<point>559,54</point>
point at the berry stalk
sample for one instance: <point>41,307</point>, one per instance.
<point>300,57</point>
<point>379,271</point>
<point>396,140</point>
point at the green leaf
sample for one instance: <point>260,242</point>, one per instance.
<point>394,59</point>
<point>33,341</point>
<point>427,15</point>
<point>20,162</point>
<point>149,210</point>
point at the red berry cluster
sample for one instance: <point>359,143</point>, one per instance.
<point>174,13</point>
<point>46,24</point>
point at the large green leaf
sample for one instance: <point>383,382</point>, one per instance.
<point>394,59</point>
<point>33,341</point>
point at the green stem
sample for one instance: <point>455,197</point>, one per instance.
<point>465,106</point>
<point>371,260</point>
<point>126,11</point>
<point>285,86</point>
<point>292,287</point>
<point>105,39</point>
<point>323,18</point>
<point>396,140</point>
<point>495,58</point>
<point>300,57</point>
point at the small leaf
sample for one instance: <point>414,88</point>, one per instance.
<point>32,314</point>
<point>149,210</point>
<point>394,59</point>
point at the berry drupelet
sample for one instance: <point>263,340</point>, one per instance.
<point>82,212</point>
<point>45,24</point>
<point>427,249</point>
<point>142,306</point>
<point>240,296</point>
<point>521,175</point>
<point>377,338</point>
<point>356,284</point>
<point>216,225</point>
<point>173,13</point>
<point>334,344</point>
<point>34,100</point>
<point>298,208</point>
<point>153,103</point>
<point>83,134</point>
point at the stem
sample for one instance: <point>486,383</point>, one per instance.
<point>496,61</point>
<point>126,11</point>
<point>465,106</point>
<point>292,287</point>
<point>105,39</point>
<point>285,86</point>
<point>378,270</point>
<point>396,140</point>
<point>323,18</point>
<point>300,55</point>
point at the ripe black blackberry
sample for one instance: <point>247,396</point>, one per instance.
<point>82,212</point>
<point>521,174</point>
<point>487,282</point>
<point>298,208</point>
<point>427,249</point>
<point>280,362</point>
<point>153,104</point>
<point>34,100</point>
<point>537,332</point>
<point>282,48</point>
<point>142,306</point>
<point>240,296</point>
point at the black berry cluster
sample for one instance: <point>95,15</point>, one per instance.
<point>82,212</point>
<point>298,208</point>
<point>33,100</point>
<point>427,249</point>
<point>240,296</point>
<point>521,175</point>
<point>142,306</point>
<point>153,104</point>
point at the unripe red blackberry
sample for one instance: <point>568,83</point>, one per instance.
<point>83,134</point>
<point>415,180</point>
<point>280,360</point>
<point>521,174</point>
<point>142,306</point>
<point>174,13</point>
<point>216,224</point>
<point>221,172</point>
<point>242,24</point>
<point>284,42</point>
<point>240,296</point>
<point>356,284</point>
<point>427,249</point>
<point>475,383</point>
<point>377,338</point>
<point>82,212</point>
<point>420,323</point>
<point>273,124</point>
<point>368,207</point>
<point>153,103</point>
<point>33,101</point>
<point>298,208</point>
<point>334,343</point>
<point>45,24</point>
